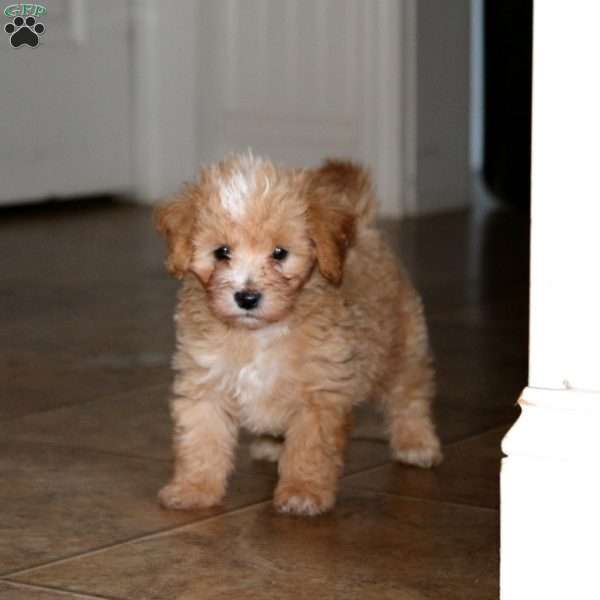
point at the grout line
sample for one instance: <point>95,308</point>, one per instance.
<point>155,534</point>
<point>428,500</point>
<point>63,446</point>
<point>366,469</point>
<point>57,590</point>
<point>474,436</point>
<point>126,455</point>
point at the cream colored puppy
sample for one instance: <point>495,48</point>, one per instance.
<point>291,312</point>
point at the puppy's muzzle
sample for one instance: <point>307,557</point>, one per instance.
<point>247,299</point>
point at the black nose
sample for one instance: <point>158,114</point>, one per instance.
<point>247,299</point>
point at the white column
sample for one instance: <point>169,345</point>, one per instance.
<point>550,481</point>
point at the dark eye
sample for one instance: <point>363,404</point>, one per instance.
<point>222,253</point>
<point>279,253</point>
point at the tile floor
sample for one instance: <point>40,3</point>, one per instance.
<point>86,334</point>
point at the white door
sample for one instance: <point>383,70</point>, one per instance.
<point>64,103</point>
<point>304,80</point>
<point>295,80</point>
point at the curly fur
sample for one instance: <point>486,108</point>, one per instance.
<point>339,323</point>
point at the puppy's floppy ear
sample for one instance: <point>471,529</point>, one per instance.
<point>339,198</point>
<point>174,220</point>
<point>332,231</point>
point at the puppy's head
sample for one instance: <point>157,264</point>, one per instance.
<point>253,234</point>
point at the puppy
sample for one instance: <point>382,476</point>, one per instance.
<point>291,312</point>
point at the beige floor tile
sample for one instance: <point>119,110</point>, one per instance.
<point>80,242</point>
<point>470,474</point>
<point>58,502</point>
<point>133,423</point>
<point>72,344</point>
<point>36,381</point>
<point>371,546</point>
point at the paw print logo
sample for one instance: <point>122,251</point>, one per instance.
<point>24,31</point>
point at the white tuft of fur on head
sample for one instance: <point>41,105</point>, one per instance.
<point>237,186</point>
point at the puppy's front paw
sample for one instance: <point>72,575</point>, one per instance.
<point>303,499</point>
<point>183,495</point>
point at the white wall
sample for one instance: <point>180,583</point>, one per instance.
<point>64,104</point>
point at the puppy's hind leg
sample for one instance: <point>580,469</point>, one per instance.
<point>407,407</point>
<point>266,447</point>
<point>407,399</point>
